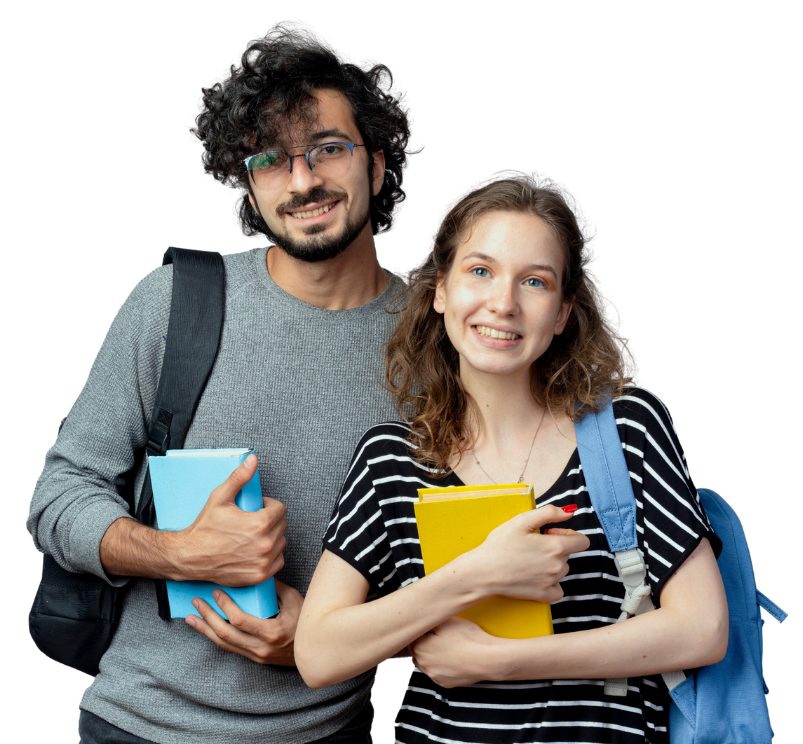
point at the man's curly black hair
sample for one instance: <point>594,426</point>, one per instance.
<point>272,93</point>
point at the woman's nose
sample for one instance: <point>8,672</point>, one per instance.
<point>502,299</point>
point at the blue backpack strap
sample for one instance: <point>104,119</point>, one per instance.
<point>608,481</point>
<point>770,606</point>
<point>607,477</point>
<point>611,492</point>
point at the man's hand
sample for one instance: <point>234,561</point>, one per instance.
<point>224,544</point>
<point>229,546</point>
<point>267,641</point>
<point>454,654</point>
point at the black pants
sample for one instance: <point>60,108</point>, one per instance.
<point>94,730</point>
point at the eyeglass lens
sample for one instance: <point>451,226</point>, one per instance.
<point>271,170</point>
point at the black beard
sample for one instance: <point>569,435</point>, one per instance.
<point>324,247</point>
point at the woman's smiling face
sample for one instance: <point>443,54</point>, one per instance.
<point>501,300</point>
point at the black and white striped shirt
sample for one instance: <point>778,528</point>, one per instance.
<point>373,528</point>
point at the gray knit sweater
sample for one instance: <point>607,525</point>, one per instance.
<point>297,383</point>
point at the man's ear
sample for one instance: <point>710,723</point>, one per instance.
<point>379,171</point>
<point>439,301</point>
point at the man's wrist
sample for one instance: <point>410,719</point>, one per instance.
<point>171,547</point>
<point>130,548</point>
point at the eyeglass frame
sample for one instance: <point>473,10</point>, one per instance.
<point>305,155</point>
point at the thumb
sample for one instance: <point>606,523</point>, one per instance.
<point>537,518</point>
<point>287,595</point>
<point>228,490</point>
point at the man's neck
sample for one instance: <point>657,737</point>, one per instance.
<point>349,280</point>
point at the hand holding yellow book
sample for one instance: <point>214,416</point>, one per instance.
<point>452,521</point>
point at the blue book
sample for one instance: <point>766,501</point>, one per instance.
<point>182,481</point>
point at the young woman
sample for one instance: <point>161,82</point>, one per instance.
<point>501,348</point>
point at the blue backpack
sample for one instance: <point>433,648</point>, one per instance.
<point>724,702</point>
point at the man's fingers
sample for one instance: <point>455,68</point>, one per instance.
<point>212,618</point>
<point>230,487</point>
<point>226,603</point>
<point>290,599</point>
<point>233,636</point>
<point>248,624</point>
<point>272,505</point>
<point>221,633</point>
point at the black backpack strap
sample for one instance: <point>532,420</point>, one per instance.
<point>193,337</point>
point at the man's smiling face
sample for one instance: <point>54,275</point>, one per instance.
<point>311,218</point>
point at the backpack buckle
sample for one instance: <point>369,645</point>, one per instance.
<point>630,566</point>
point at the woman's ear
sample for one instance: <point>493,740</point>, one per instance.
<point>563,317</point>
<point>439,301</point>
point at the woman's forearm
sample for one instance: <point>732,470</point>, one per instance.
<point>689,630</point>
<point>340,643</point>
<point>659,641</point>
<point>339,636</point>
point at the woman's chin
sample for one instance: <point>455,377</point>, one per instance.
<point>494,368</point>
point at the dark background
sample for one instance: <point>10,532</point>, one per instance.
<point>676,155</point>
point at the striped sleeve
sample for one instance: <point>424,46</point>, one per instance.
<point>671,519</point>
<point>373,516</point>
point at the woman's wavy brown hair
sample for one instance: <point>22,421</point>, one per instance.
<point>582,365</point>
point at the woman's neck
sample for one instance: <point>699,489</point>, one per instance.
<point>506,448</point>
<point>505,408</point>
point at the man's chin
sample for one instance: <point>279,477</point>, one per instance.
<point>311,250</point>
<point>316,245</point>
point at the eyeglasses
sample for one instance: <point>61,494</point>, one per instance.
<point>331,161</point>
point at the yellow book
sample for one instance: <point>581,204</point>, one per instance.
<point>454,520</point>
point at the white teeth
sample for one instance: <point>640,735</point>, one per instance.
<point>312,212</point>
<point>493,333</point>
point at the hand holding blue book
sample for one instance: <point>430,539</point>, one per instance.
<point>182,481</point>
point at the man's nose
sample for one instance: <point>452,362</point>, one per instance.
<point>302,177</point>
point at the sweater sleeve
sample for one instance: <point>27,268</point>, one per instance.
<point>76,497</point>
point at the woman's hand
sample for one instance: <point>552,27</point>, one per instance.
<point>516,561</point>
<point>456,653</point>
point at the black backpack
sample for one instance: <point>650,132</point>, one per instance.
<point>74,616</point>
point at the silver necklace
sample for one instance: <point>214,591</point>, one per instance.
<point>526,462</point>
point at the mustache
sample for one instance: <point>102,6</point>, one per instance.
<point>316,195</point>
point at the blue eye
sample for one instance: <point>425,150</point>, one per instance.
<point>534,281</point>
<point>480,271</point>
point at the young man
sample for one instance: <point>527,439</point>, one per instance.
<point>319,148</point>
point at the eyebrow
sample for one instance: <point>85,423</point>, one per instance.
<point>324,133</point>
<point>314,138</point>
<point>490,259</point>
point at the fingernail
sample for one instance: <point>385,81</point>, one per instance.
<point>570,508</point>
<point>196,604</point>
<point>190,620</point>
<point>216,594</point>
<point>250,461</point>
